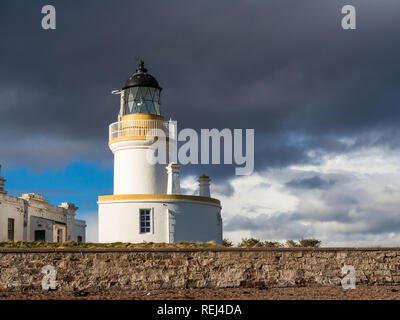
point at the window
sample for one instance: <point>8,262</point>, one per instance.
<point>80,239</point>
<point>142,100</point>
<point>10,229</point>
<point>144,220</point>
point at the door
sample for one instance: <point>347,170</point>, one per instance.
<point>40,235</point>
<point>59,235</point>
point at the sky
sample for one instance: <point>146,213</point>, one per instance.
<point>324,103</point>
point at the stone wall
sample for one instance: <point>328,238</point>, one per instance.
<point>104,269</point>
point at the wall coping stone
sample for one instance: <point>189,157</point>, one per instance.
<point>184,250</point>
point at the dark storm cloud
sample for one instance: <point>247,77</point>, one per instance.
<point>315,182</point>
<point>285,68</point>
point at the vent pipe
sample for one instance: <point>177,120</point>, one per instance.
<point>174,185</point>
<point>204,186</point>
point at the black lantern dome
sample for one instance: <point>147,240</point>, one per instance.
<point>141,92</point>
<point>141,78</point>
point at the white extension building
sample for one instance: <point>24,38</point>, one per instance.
<point>32,218</point>
<point>147,205</point>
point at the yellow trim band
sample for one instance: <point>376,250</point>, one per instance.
<point>135,138</point>
<point>127,139</point>
<point>141,116</point>
<point>158,197</point>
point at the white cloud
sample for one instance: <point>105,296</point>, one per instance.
<point>361,207</point>
<point>376,160</point>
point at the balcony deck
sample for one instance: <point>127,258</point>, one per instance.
<point>140,129</point>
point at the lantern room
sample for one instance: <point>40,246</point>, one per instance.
<point>141,93</point>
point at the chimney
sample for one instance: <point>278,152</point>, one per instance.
<point>69,206</point>
<point>174,185</point>
<point>204,185</point>
<point>2,180</point>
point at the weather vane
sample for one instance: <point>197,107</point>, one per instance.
<point>140,65</point>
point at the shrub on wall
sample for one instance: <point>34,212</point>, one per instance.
<point>250,243</point>
<point>272,244</point>
<point>292,244</point>
<point>227,243</point>
<point>310,243</point>
<point>256,243</point>
<point>303,243</point>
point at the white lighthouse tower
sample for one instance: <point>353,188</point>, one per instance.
<point>147,204</point>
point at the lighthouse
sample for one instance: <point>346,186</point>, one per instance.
<point>147,204</point>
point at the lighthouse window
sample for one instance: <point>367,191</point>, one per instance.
<point>144,220</point>
<point>142,100</point>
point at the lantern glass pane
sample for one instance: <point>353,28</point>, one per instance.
<point>142,100</point>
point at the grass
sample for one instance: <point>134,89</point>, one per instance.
<point>246,243</point>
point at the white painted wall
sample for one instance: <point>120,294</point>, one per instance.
<point>119,222</point>
<point>11,207</point>
<point>133,174</point>
<point>38,206</point>
<point>173,220</point>
<point>80,229</point>
<point>70,215</point>
<point>39,223</point>
<point>195,222</point>
<point>33,212</point>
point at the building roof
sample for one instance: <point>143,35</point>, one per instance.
<point>141,78</point>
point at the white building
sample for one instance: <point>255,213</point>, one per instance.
<point>147,204</point>
<point>32,218</point>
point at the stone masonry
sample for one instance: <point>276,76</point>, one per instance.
<point>143,269</point>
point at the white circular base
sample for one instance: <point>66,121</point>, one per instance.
<point>171,221</point>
